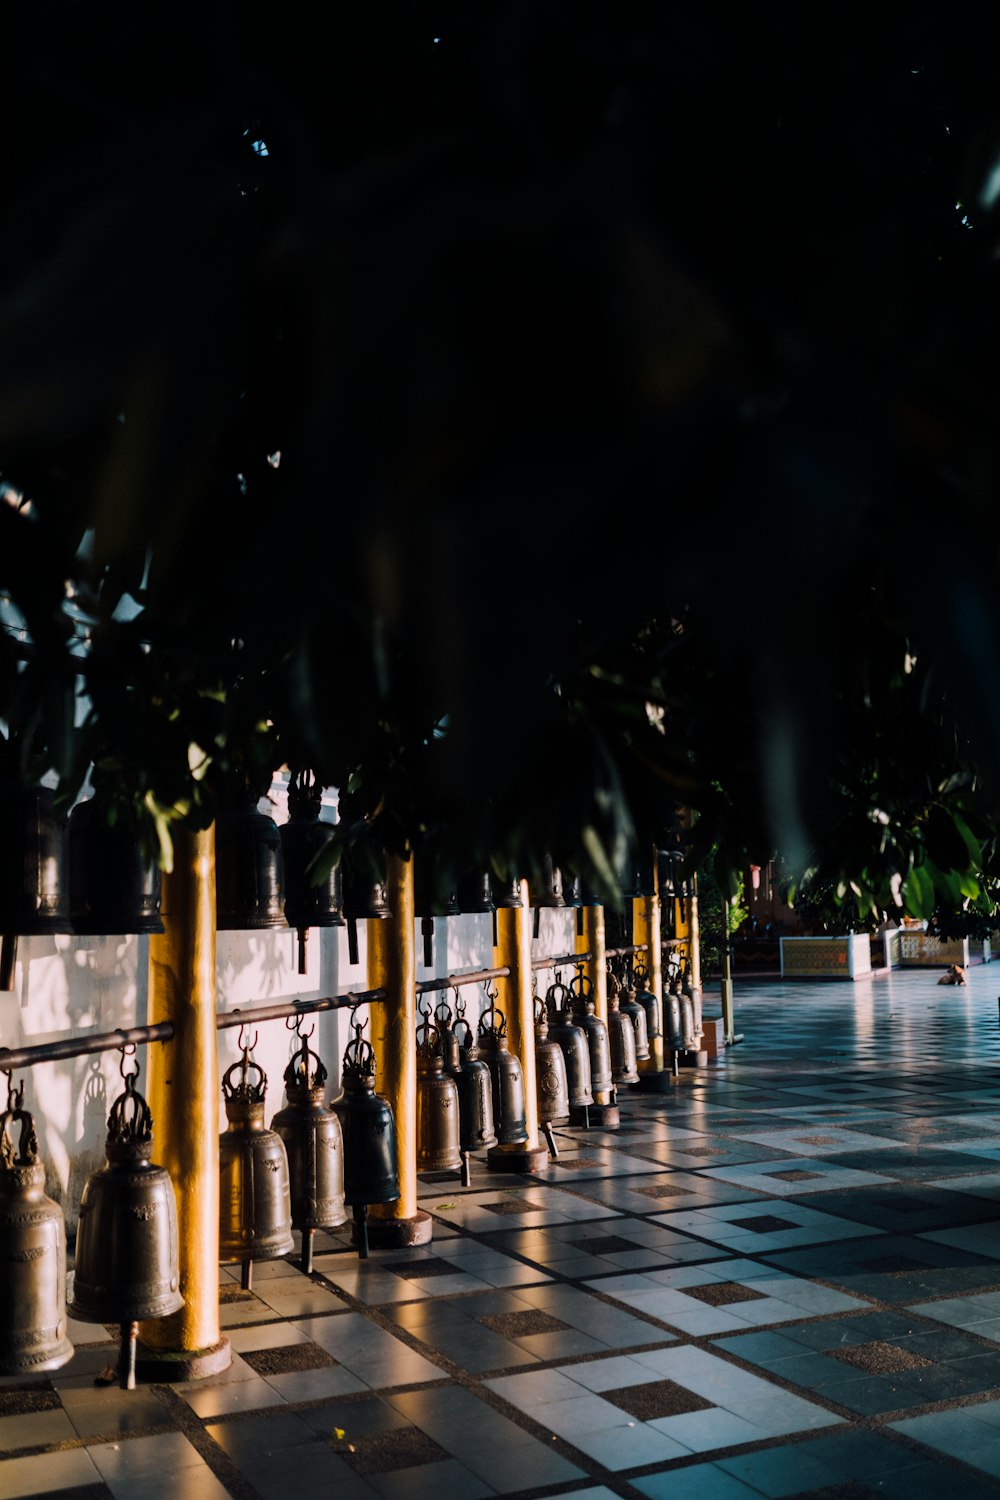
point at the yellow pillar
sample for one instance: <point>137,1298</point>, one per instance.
<point>392,966</point>
<point>591,940</point>
<point>646,929</point>
<point>695,937</point>
<point>515,994</point>
<point>183,1094</point>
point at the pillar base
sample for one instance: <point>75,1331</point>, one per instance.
<point>692,1059</point>
<point>524,1160</point>
<point>597,1116</point>
<point>164,1366</point>
<point>397,1234</point>
<point>654,1083</point>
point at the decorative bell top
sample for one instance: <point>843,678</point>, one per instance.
<point>305,795</point>
<point>558,1001</point>
<point>493,1024</point>
<point>428,1047</point>
<point>357,1069</point>
<point>245,1097</point>
<point>130,1122</point>
<point>541,1019</point>
<point>22,1167</point>
<point>303,1080</point>
<point>582,987</point>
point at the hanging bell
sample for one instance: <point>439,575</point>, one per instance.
<point>249,869</point>
<point>366,892</point>
<point>635,876</point>
<point>371,1171</point>
<point>475,1094</point>
<point>447,1040</point>
<point>598,1044</point>
<point>34,885</point>
<point>674,1016</point>
<point>550,1075</point>
<point>255,1210</point>
<point>475,892</point>
<point>572,1042</point>
<point>437,1106</point>
<point>431,898</point>
<point>509,1109</point>
<point>507,895</point>
<point>112,888</point>
<point>32,1253</point>
<point>126,1240</point>
<point>630,1008</point>
<point>647,999</point>
<point>621,1039</point>
<point>688,1024</point>
<point>305,846</point>
<point>547,890</point>
<point>314,1145</point>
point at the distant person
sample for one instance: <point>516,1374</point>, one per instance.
<point>955,975</point>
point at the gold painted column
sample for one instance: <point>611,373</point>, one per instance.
<point>646,929</point>
<point>183,1093</point>
<point>392,966</point>
<point>592,940</point>
<point>695,944</point>
<point>515,994</point>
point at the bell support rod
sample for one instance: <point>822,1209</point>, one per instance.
<point>453,981</point>
<point>81,1046</point>
<point>559,960</point>
<point>297,1008</point>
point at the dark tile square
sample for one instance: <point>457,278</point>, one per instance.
<point>819,1140</point>
<point>576,1163</point>
<point>880,1358</point>
<point>851,1489</point>
<point>607,1244</point>
<point>384,1452</point>
<point>901,1204</point>
<point>228,1292</point>
<point>521,1325</point>
<point>515,1206</point>
<point>663,1190</point>
<point>657,1398</point>
<point>723,1293</point>
<point>703,1150</point>
<point>416,1270</point>
<point>288,1358</point>
<point>764,1224</point>
<point>893,1265</point>
<point>795,1175</point>
<point>28,1398</point>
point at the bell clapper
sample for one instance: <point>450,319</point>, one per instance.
<point>550,1140</point>
<point>246,1276</point>
<point>586,1117</point>
<point>361,1224</point>
<point>307,1250</point>
<point>126,1359</point>
<point>303,933</point>
<point>466,1169</point>
<point>8,960</point>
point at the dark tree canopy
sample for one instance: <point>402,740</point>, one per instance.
<point>530,416</point>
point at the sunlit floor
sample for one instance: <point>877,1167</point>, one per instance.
<point>781,1278</point>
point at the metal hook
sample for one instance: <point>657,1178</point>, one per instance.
<point>127,1050</point>
<point>294,1023</point>
<point>357,1026</point>
<point>491,994</point>
<point>244,1043</point>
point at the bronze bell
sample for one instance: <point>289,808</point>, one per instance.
<point>447,1040</point>
<point>112,887</point>
<point>647,999</point>
<point>674,1017</point>
<point>249,869</point>
<point>32,1252</point>
<point>366,893</point>
<point>314,1145</point>
<point>688,1024</point>
<point>598,1044</point>
<point>126,1240</point>
<point>437,1106</point>
<point>630,1007</point>
<point>621,1039</point>
<point>551,1082</point>
<point>34,884</point>
<point>475,892</point>
<point>475,1094</point>
<point>572,1042</point>
<point>547,890</point>
<point>371,1170</point>
<point>507,895</point>
<point>505,1075</point>
<point>255,1210</point>
<point>305,848</point>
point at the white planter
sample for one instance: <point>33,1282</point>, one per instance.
<point>845,956</point>
<point>918,950</point>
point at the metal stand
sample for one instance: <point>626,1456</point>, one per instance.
<point>361,1229</point>
<point>466,1169</point>
<point>246,1276</point>
<point>126,1358</point>
<point>550,1140</point>
<point>307,1251</point>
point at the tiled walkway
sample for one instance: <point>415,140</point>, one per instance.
<point>782,1278</point>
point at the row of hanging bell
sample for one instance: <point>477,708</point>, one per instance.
<point>506,1077</point>
<point>371,1159</point>
<point>551,1079</point>
<point>438,1144</point>
<point>474,893</point>
<point>126,1240</point>
<point>572,1042</point>
<point>32,1252</point>
<point>255,1210</point>
<point>314,1146</point>
<point>598,1042</point>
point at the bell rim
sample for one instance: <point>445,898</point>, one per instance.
<point>15,1365</point>
<point>112,927</point>
<point>228,922</point>
<point>161,1307</point>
